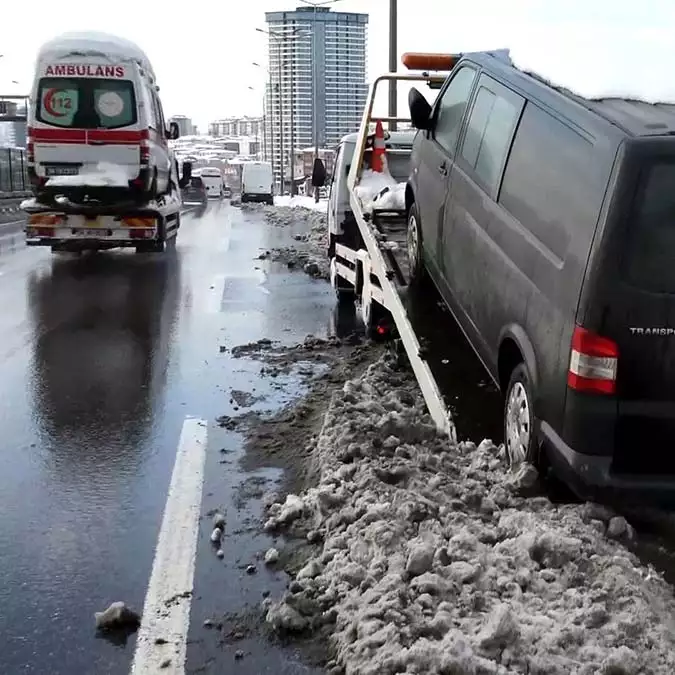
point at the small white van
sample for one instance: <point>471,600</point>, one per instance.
<point>212,177</point>
<point>257,182</point>
<point>96,127</point>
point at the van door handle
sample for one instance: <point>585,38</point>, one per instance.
<point>443,169</point>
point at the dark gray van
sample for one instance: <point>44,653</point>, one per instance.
<point>547,222</point>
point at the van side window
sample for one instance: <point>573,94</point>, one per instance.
<point>488,136</point>
<point>451,107</point>
<point>547,185</point>
<point>155,119</point>
<point>162,121</point>
<point>648,252</point>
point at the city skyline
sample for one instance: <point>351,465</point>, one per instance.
<point>316,86</point>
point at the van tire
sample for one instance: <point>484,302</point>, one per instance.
<point>418,273</point>
<point>153,185</point>
<point>519,416</point>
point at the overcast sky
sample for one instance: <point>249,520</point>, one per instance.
<point>203,51</point>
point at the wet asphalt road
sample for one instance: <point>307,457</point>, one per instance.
<point>102,358</point>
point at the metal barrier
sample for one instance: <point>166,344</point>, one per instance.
<point>13,171</point>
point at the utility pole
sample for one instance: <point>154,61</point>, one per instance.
<point>293,190</point>
<point>393,66</point>
<point>315,99</point>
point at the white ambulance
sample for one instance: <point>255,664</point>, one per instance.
<point>96,129</point>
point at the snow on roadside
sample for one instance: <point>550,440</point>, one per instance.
<point>433,560</point>
<point>310,254</point>
<point>302,201</point>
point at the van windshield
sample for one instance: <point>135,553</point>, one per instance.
<point>86,103</point>
<point>649,262</point>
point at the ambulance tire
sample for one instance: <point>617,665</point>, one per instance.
<point>153,186</point>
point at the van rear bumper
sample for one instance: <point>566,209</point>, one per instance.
<point>591,476</point>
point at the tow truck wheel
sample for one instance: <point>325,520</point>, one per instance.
<point>376,320</point>
<point>344,290</point>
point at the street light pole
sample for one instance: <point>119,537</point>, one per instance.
<point>268,117</point>
<point>393,49</point>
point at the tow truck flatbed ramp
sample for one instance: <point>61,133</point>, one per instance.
<point>384,272</point>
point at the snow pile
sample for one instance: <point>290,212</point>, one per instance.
<point>434,560</point>
<point>378,191</point>
<point>302,201</point>
<point>105,175</point>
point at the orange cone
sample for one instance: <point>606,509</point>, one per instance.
<point>377,162</point>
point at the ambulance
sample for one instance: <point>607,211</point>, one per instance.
<point>96,127</point>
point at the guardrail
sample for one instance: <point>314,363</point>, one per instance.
<point>14,180</point>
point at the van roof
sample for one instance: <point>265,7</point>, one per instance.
<point>633,116</point>
<point>94,43</point>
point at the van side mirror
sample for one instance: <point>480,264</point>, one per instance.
<point>318,173</point>
<point>174,131</point>
<point>420,109</point>
<point>187,174</point>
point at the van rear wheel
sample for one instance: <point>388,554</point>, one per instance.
<point>520,422</point>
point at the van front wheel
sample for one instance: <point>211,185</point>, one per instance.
<point>414,243</point>
<point>520,423</point>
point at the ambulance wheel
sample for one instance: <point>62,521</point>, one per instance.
<point>153,186</point>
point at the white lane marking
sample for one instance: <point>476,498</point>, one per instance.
<point>214,298</point>
<point>166,613</point>
<point>224,245</point>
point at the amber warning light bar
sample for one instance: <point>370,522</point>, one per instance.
<point>429,61</point>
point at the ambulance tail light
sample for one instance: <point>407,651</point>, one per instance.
<point>593,363</point>
<point>30,151</point>
<point>427,61</point>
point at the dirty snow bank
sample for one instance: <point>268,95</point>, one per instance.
<point>433,560</point>
<point>310,253</point>
<point>380,191</point>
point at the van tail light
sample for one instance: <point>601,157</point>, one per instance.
<point>593,363</point>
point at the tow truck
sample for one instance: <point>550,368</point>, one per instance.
<point>149,227</point>
<point>369,250</point>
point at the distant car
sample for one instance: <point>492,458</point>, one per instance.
<point>195,192</point>
<point>227,192</point>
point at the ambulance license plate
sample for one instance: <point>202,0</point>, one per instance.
<point>86,232</point>
<point>62,170</point>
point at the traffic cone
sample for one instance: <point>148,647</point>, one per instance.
<point>378,159</point>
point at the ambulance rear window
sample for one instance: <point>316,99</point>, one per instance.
<point>86,103</point>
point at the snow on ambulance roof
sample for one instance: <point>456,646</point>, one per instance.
<point>93,43</point>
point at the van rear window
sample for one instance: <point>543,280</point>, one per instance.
<point>86,103</point>
<point>649,262</point>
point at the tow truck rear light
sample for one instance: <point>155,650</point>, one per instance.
<point>593,363</point>
<point>429,61</point>
<point>138,221</point>
<point>49,219</point>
